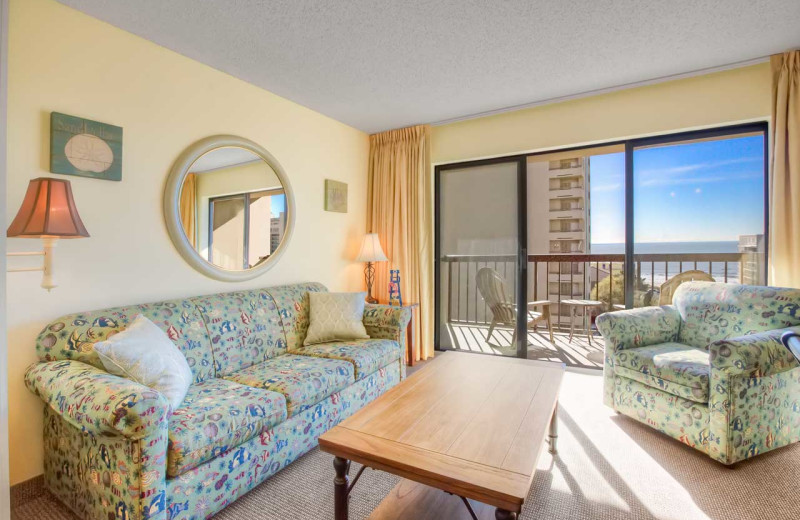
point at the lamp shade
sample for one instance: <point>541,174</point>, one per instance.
<point>371,250</point>
<point>48,210</point>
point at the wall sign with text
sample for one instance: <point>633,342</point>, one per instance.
<point>86,148</point>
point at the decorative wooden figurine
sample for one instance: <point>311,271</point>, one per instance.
<point>395,298</point>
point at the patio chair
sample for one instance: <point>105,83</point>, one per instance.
<point>504,311</point>
<point>668,288</point>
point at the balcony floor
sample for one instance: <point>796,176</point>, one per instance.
<point>472,337</point>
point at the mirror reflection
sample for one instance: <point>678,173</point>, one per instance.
<point>233,208</point>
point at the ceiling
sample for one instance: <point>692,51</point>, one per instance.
<point>382,64</point>
<point>222,158</point>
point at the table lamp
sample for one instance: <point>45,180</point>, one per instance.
<point>371,251</point>
<point>48,212</point>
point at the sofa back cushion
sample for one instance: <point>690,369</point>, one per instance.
<point>244,328</point>
<point>713,311</point>
<point>292,302</point>
<point>73,336</point>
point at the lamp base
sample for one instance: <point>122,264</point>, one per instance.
<point>369,277</point>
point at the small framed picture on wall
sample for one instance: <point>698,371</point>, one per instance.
<point>335,196</point>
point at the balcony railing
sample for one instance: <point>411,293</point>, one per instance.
<point>558,277</point>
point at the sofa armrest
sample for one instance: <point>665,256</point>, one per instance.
<point>639,327</point>
<point>753,355</point>
<point>95,401</point>
<point>386,321</point>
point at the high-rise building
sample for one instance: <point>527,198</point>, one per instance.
<point>558,224</point>
<point>276,227</point>
<point>752,263</point>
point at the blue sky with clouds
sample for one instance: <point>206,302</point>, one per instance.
<point>700,191</point>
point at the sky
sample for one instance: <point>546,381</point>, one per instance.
<point>277,205</point>
<point>700,191</point>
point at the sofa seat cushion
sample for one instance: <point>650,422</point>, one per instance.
<point>674,367</point>
<point>215,416</point>
<point>366,355</point>
<point>303,380</point>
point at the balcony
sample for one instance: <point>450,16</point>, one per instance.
<point>465,317</point>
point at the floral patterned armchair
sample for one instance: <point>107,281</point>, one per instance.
<point>709,370</point>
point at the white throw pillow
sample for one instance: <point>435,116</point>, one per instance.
<point>335,317</point>
<point>143,353</point>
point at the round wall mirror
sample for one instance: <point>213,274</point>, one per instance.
<point>229,208</point>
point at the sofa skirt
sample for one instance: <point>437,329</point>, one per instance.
<point>681,419</point>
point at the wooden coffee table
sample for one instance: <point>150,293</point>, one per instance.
<point>467,424</point>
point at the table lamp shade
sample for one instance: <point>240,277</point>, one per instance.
<point>371,250</point>
<point>48,210</point>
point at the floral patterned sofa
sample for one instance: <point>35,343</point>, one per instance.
<point>709,370</point>
<point>114,450</point>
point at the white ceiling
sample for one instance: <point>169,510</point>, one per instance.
<point>381,64</point>
<point>222,158</point>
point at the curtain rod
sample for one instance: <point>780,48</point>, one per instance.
<point>607,90</point>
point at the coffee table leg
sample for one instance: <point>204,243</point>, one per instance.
<point>502,514</point>
<point>340,489</point>
<point>553,436</point>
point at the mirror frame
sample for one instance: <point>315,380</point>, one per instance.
<point>172,195</point>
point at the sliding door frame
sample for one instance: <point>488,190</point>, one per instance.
<point>629,146</point>
<point>520,290</point>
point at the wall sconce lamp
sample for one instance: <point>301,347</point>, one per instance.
<point>371,251</point>
<point>47,212</point>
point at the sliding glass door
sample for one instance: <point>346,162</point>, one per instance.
<point>579,232</point>
<point>480,240</point>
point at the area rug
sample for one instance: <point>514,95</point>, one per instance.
<point>608,467</point>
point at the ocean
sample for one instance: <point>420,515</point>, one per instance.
<point>659,272</point>
<point>731,246</point>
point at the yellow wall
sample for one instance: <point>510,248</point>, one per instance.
<point>731,96</point>
<point>62,60</point>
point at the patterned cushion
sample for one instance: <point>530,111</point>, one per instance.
<point>713,311</point>
<point>74,336</point>
<point>244,327</point>
<point>366,355</point>
<point>303,380</point>
<point>292,302</point>
<point>216,416</point>
<point>673,367</point>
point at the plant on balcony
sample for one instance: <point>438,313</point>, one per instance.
<point>614,286</point>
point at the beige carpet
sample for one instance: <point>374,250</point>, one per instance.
<point>608,467</point>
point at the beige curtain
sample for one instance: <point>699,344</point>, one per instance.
<point>399,209</point>
<point>784,223</point>
<point>188,208</point>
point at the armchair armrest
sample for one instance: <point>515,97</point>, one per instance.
<point>753,355</point>
<point>95,401</point>
<point>639,327</point>
<point>386,321</point>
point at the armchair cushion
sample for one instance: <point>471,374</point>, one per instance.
<point>673,367</point>
<point>366,355</point>
<point>216,416</point>
<point>303,380</point>
<point>635,328</point>
<point>97,402</point>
